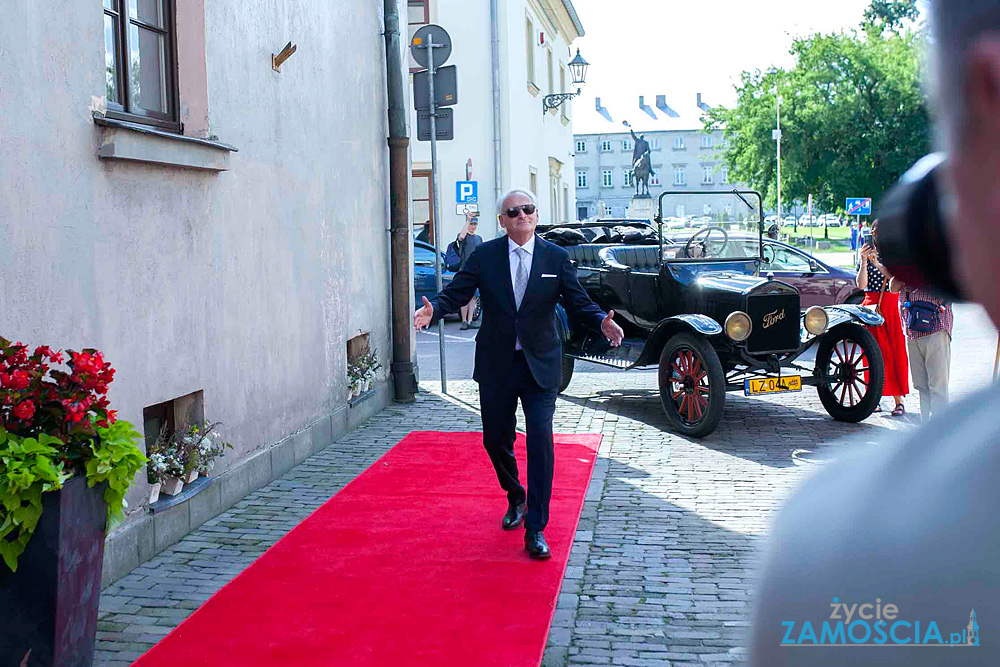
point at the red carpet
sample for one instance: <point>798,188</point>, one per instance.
<point>406,566</point>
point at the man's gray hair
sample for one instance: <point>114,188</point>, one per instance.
<point>511,193</point>
<point>957,24</point>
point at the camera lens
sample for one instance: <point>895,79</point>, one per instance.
<point>912,232</point>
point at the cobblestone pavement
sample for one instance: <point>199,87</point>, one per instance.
<point>662,564</point>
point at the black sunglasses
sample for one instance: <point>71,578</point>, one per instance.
<point>514,210</point>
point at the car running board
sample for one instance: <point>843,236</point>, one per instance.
<point>598,351</point>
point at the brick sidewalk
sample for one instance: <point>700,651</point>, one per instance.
<point>662,563</point>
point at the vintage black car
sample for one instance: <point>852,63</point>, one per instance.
<point>699,309</point>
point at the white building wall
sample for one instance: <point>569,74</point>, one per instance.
<point>244,284</point>
<point>529,140</point>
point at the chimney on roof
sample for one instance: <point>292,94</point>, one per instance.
<point>702,105</point>
<point>601,110</point>
<point>661,104</point>
<point>645,107</point>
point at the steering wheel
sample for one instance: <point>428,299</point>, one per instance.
<point>707,233</point>
<point>770,254</point>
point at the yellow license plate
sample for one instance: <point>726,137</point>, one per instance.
<point>758,386</point>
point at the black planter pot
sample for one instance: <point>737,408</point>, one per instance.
<point>49,606</point>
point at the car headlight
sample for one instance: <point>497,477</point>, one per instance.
<point>816,320</point>
<point>738,326</point>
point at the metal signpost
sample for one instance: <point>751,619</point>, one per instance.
<point>425,41</point>
<point>858,206</point>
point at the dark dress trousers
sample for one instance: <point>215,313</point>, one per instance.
<point>532,374</point>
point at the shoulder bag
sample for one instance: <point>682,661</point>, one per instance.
<point>921,316</point>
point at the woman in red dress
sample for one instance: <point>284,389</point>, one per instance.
<point>874,279</point>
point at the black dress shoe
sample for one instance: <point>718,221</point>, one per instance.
<point>514,516</point>
<point>534,544</point>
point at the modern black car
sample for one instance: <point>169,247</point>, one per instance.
<point>424,272</point>
<point>700,310</point>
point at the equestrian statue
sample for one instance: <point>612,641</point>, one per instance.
<point>642,167</point>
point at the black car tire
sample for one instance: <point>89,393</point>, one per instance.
<point>837,349</point>
<point>567,373</point>
<point>705,387</point>
<point>855,299</point>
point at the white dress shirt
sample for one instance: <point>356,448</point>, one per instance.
<point>530,249</point>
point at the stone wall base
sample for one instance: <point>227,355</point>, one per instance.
<point>138,542</point>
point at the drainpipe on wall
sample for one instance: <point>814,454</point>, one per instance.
<point>495,51</point>
<point>404,382</point>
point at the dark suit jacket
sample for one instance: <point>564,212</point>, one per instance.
<point>534,324</point>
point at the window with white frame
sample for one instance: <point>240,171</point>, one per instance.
<point>529,38</point>
<point>551,71</point>
<point>581,146</point>
<point>607,210</point>
<point>562,89</point>
<point>724,179</point>
<point>608,178</point>
<point>707,176</point>
<point>706,141</point>
<point>654,144</point>
<point>581,179</point>
<point>679,177</point>
<point>706,209</point>
<point>606,145</point>
<point>679,210</point>
<point>626,144</point>
<point>679,143</point>
<point>654,177</point>
<point>629,174</point>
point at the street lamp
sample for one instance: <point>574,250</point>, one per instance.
<point>578,69</point>
<point>776,136</point>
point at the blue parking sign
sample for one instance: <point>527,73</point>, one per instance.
<point>859,206</point>
<point>467,192</point>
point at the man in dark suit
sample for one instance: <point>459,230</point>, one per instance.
<point>520,279</point>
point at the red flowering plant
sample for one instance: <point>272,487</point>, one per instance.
<point>54,425</point>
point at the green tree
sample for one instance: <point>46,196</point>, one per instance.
<point>892,13</point>
<point>853,117</point>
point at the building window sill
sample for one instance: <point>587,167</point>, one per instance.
<point>360,398</point>
<point>122,140</point>
<point>189,492</point>
<point>533,90</point>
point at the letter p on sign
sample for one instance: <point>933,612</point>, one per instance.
<point>467,192</point>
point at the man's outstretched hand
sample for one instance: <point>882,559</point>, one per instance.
<point>612,331</point>
<point>423,316</point>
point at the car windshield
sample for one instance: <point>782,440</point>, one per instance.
<point>725,225</point>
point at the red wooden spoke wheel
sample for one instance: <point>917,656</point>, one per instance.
<point>692,384</point>
<point>851,372</point>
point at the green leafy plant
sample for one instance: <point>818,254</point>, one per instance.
<point>115,460</point>
<point>31,467</point>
